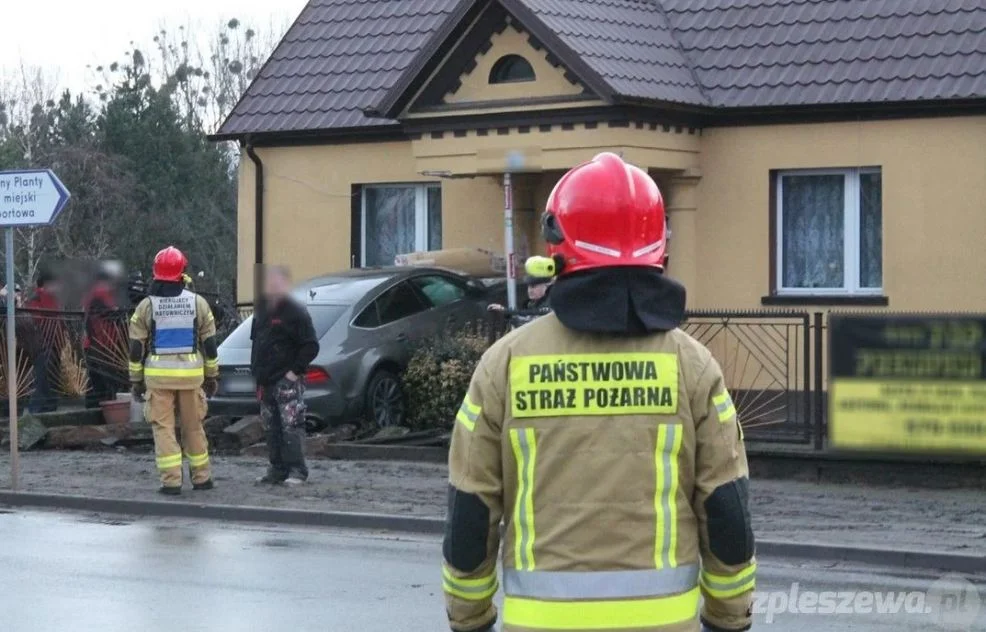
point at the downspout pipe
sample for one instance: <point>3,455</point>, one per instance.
<point>258,214</point>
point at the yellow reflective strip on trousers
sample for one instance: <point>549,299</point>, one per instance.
<point>666,450</point>
<point>524,446</point>
<point>594,384</point>
<point>198,460</point>
<point>601,615</point>
<point>169,462</point>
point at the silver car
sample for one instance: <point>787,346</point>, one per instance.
<point>367,322</point>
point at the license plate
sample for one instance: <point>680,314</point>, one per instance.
<point>239,384</point>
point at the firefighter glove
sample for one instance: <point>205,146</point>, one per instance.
<point>210,386</point>
<point>138,389</point>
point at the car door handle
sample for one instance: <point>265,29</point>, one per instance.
<point>401,337</point>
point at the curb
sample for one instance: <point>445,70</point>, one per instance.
<point>969,564</point>
<point>232,513</point>
<point>899,558</point>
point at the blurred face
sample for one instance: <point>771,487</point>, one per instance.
<point>536,292</point>
<point>277,284</point>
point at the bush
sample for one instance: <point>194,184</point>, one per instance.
<point>437,378</point>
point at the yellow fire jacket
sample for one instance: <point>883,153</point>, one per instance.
<point>177,371</point>
<point>617,468</point>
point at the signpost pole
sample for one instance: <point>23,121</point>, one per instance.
<point>508,240</point>
<point>12,361</point>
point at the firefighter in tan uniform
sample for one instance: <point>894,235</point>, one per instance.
<point>174,359</point>
<point>603,437</point>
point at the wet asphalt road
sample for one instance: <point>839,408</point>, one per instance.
<point>75,574</point>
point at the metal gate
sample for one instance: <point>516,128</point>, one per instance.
<point>765,360</point>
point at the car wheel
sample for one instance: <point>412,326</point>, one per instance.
<point>384,400</point>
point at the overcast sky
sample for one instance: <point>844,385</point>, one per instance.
<point>64,36</point>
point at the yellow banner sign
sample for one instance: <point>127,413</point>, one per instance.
<point>908,383</point>
<point>909,415</point>
<point>594,384</point>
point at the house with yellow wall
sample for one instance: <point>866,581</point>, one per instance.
<point>811,152</point>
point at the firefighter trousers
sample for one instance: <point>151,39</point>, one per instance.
<point>192,407</point>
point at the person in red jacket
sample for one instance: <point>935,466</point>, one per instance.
<point>46,327</point>
<point>105,331</point>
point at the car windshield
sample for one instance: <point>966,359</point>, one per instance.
<point>323,317</point>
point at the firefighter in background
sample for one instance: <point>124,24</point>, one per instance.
<point>174,358</point>
<point>104,332</point>
<point>48,328</point>
<point>604,439</point>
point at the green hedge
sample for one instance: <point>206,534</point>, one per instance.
<point>438,375</point>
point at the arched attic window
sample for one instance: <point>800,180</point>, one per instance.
<point>511,69</point>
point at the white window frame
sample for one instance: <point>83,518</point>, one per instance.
<point>851,235</point>
<point>421,227</point>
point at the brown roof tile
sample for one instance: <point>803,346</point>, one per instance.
<point>761,53</point>
<point>627,42</point>
<point>336,60</point>
<point>342,56</point>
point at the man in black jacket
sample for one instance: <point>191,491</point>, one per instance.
<point>284,344</point>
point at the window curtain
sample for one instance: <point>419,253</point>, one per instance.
<point>434,218</point>
<point>390,224</point>
<point>871,230</point>
<point>813,231</point>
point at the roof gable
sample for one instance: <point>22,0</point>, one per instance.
<point>618,49</point>
<point>473,86</point>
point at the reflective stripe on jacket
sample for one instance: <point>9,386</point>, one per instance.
<point>597,453</point>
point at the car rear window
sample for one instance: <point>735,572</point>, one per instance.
<point>323,317</point>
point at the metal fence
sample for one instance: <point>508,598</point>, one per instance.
<point>772,363</point>
<point>67,355</point>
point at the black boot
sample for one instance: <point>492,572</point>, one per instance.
<point>170,491</point>
<point>271,478</point>
<point>202,487</point>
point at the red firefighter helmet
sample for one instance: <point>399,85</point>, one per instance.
<point>169,264</point>
<point>605,213</point>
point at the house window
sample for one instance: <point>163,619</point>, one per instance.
<point>511,69</point>
<point>829,232</point>
<point>398,219</point>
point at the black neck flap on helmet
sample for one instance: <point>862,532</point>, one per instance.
<point>632,301</point>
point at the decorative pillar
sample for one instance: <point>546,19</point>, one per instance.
<point>682,207</point>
